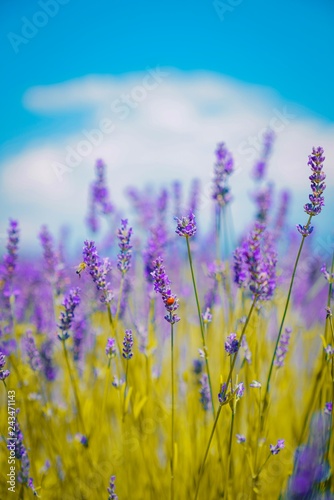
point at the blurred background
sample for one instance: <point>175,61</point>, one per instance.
<point>152,87</point>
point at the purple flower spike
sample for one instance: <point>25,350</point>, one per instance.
<point>30,348</point>
<point>161,285</point>
<point>205,393</point>
<point>222,170</point>
<point>127,345</point>
<point>99,197</point>
<point>222,398</point>
<point>260,166</point>
<point>231,344</point>
<point>71,301</point>
<point>316,160</point>
<point>275,449</point>
<point>111,489</point>
<point>3,373</point>
<point>111,348</point>
<point>328,276</point>
<point>9,261</point>
<point>98,270</point>
<point>124,257</point>
<point>186,226</point>
<point>282,348</point>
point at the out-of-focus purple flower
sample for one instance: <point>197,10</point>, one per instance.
<point>328,408</point>
<point>111,348</point>
<point>282,347</point>
<point>194,195</point>
<point>240,438</point>
<point>3,373</point>
<point>71,301</point>
<point>50,258</point>
<point>46,354</point>
<point>255,385</point>
<point>99,196</point>
<point>111,489</point>
<point>127,345</point>
<point>98,270</point>
<point>247,351</point>
<point>255,263</point>
<point>186,226</point>
<point>124,257</point>
<point>311,467</point>
<point>205,393</point>
<point>207,316</point>
<point>7,271</point>
<point>16,443</point>
<point>316,160</point>
<point>8,266</point>
<point>282,210</point>
<point>79,328</point>
<point>161,285</point>
<point>275,449</point>
<point>117,382</point>
<point>328,276</point>
<point>162,201</point>
<point>231,344</point>
<point>260,166</point>
<point>197,366</point>
<point>263,200</point>
<point>222,170</point>
<point>239,390</point>
<point>32,352</point>
<point>156,243</point>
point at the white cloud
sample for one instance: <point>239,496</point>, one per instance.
<point>166,132</point>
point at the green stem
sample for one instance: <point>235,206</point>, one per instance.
<point>223,395</point>
<point>75,389</point>
<point>201,470</point>
<point>229,468</point>
<point>200,322</point>
<point>126,382</point>
<point>266,395</point>
<point>119,300</point>
<point>173,406</point>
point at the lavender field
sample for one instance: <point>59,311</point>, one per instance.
<point>172,358</point>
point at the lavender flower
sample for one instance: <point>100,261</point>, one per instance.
<point>16,443</point>
<point>316,160</point>
<point>3,373</point>
<point>49,255</point>
<point>222,170</point>
<point>328,408</point>
<point>127,345</point>
<point>99,197</point>
<point>98,270</point>
<point>48,367</point>
<point>197,366</point>
<point>282,348</point>
<point>263,200</point>
<point>255,263</point>
<point>205,393</point>
<point>194,195</point>
<point>231,344</point>
<point>260,166</point>
<point>111,348</point>
<point>32,352</point>
<point>255,384</point>
<point>222,398</point>
<point>161,285</point>
<point>328,276</point>
<point>111,489</point>
<point>207,316</point>
<point>79,328</point>
<point>186,226</point>
<point>275,449</point>
<point>240,438</point>
<point>124,257</point>
<point>71,301</point>
<point>8,266</point>
<point>155,246</point>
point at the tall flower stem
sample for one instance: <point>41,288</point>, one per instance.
<point>173,410</point>
<point>201,323</point>
<point>229,378</point>
<point>266,394</point>
<point>119,300</point>
<point>74,388</point>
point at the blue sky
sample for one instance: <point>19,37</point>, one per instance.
<point>282,51</point>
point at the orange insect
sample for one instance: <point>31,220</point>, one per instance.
<point>170,301</point>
